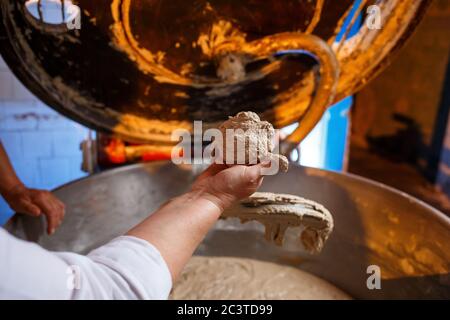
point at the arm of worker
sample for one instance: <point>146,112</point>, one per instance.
<point>140,265</point>
<point>179,226</point>
<point>28,201</point>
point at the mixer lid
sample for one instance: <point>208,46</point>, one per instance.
<point>141,68</point>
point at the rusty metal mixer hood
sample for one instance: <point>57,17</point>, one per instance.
<point>141,68</point>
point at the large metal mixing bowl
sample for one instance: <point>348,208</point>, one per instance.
<point>374,225</point>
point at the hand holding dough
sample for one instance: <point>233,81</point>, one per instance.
<point>248,140</point>
<point>251,141</point>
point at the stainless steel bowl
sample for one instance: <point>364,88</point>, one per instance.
<point>374,225</point>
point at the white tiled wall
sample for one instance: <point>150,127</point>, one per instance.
<point>42,144</point>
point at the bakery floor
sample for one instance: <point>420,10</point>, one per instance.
<point>402,176</point>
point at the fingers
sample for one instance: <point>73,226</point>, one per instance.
<point>243,175</point>
<point>253,174</point>
<point>242,181</point>
<point>51,207</point>
<point>215,168</point>
<point>27,207</point>
<point>212,170</point>
<point>20,201</point>
<point>228,184</point>
<point>251,179</point>
<point>37,202</point>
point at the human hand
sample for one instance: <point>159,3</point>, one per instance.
<point>224,185</point>
<point>34,202</point>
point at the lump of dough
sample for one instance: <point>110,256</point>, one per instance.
<point>252,141</point>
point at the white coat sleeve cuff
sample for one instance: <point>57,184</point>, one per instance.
<point>139,263</point>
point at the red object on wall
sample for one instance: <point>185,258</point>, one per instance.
<point>112,151</point>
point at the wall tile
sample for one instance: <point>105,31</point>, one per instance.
<point>6,85</point>
<point>66,143</point>
<point>16,116</point>
<point>55,172</point>
<point>75,167</point>
<point>28,171</point>
<point>37,144</point>
<point>12,141</point>
<point>3,65</point>
<point>20,92</point>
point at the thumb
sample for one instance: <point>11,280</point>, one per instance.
<point>253,174</point>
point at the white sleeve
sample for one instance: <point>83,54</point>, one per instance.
<point>125,268</point>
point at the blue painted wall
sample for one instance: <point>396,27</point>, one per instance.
<point>43,146</point>
<point>336,135</point>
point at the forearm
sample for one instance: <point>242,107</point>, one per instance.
<point>178,227</point>
<point>8,177</point>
